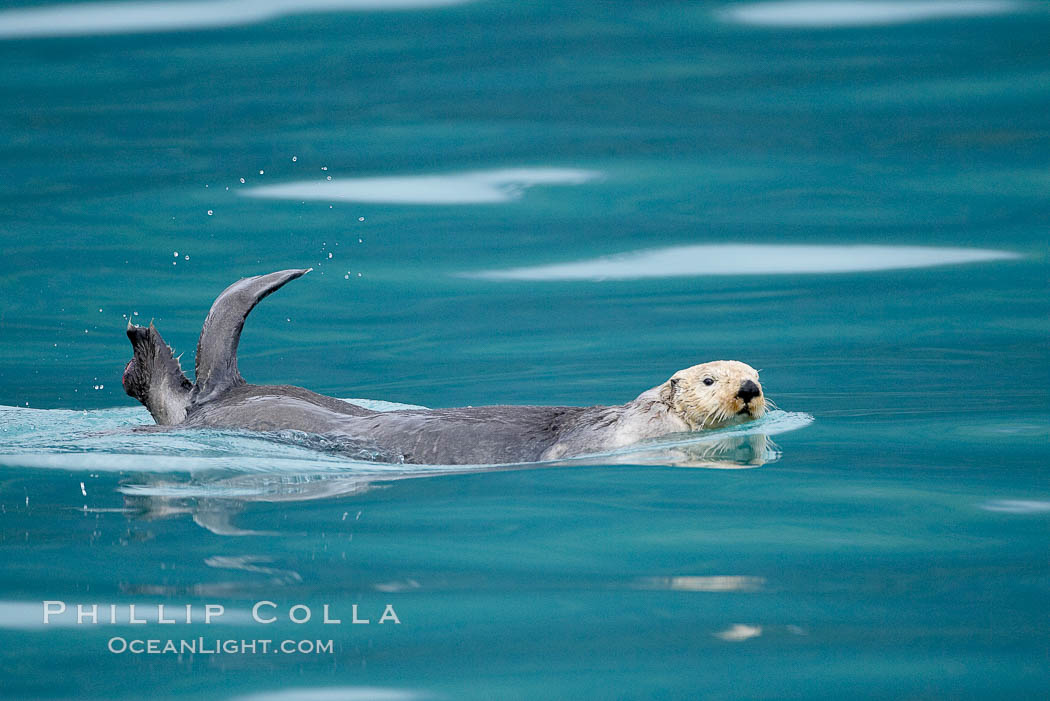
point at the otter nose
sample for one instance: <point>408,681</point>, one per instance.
<point>748,391</point>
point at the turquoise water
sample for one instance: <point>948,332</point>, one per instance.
<point>532,203</point>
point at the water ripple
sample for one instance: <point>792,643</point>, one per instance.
<point>860,13</point>
<point>97,18</point>
<point>474,187</point>
<point>747,259</point>
<point>1017,506</point>
<point>123,440</point>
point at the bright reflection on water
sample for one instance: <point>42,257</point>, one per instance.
<point>858,13</point>
<point>482,187</point>
<point>711,163</point>
<point>92,18</point>
<point>748,260</point>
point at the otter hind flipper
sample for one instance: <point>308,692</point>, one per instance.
<point>216,368</point>
<point>154,376</point>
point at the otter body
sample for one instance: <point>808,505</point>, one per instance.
<point>220,398</point>
<point>464,435</point>
<point>497,434</point>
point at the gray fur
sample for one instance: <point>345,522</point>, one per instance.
<point>154,376</point>
<point>220,398</point>
<point>216,368</point>
<point>466,435</point>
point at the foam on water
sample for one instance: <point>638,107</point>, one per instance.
<point>747,259</point>
<point>104,440</point>
<point>475,187</point>
<point>96,18</point>
<point>858,13</point>
<point>211,475</point>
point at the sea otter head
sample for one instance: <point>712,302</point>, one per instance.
<point>154,377</point>
<point>715,394</point>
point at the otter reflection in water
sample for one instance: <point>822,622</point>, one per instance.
<point>213,501</point>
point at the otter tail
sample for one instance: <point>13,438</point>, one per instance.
<point>216,368</point>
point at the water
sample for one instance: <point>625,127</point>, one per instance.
<point>531,203</point>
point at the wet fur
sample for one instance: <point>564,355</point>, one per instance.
<point>700,397</point>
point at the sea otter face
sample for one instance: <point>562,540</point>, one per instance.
<point>715,394</point>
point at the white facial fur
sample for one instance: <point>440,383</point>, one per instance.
<point>707,395</point>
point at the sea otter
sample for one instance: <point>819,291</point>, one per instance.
<point>711,395</point>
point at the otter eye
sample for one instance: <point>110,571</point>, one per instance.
<point>708,381</point>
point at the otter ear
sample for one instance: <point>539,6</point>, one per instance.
<point>668,391</point>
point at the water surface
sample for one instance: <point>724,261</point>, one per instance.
<point>534,203</point>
